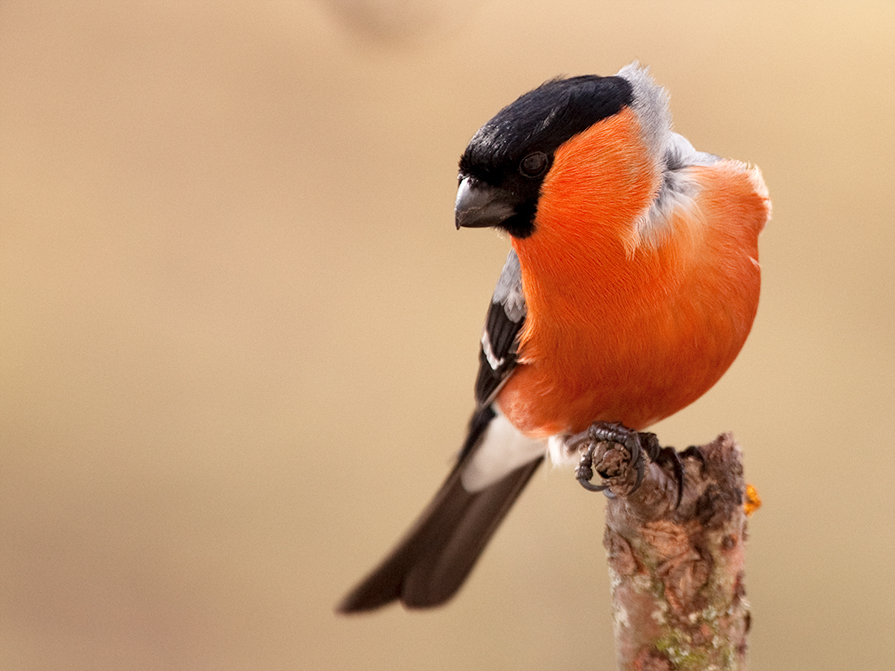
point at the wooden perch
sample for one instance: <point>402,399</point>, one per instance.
<point>677,572</point>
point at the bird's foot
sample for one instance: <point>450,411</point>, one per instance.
<point>640,447</point>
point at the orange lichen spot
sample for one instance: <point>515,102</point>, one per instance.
<point>753,500</point>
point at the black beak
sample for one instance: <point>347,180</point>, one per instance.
<point>480,206</point>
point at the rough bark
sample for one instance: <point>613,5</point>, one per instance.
<point>677,571</point>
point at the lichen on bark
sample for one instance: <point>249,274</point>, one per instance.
<point>677,571</point>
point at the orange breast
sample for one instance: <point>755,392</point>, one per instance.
<point>629,330</point>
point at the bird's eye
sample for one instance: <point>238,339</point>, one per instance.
<point>534,164</point>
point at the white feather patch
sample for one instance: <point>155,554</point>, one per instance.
<point>560,453</point>
<point>503,449</point>
<point>670,152</point>
<point>488,351</point>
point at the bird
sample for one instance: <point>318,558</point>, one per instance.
<point>630,287</point>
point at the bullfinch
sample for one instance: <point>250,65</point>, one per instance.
<point>631,286</point>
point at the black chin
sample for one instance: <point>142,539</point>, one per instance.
<point>521,224</point>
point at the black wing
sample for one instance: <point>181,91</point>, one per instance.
<point>435,557</point>
<point>500,340</point>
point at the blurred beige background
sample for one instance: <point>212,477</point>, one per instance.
<point>238,330</point>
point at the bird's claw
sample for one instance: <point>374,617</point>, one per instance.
<point>668,455</point>
<point>636,443</point>
<point>585,471</point>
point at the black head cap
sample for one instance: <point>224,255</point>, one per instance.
<point>514,150</point>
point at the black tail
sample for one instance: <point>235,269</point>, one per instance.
<point>434,558</point>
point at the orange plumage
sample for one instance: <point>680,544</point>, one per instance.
<point>621,328</point>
